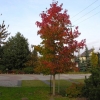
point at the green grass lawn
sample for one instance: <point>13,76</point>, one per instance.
<point>32,90</point>
<point>17,93</point>
<point>79,80</point>
<point>32,83</point>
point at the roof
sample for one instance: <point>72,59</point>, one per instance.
<point>84,53</point>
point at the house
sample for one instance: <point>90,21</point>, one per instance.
<point>83,55</point>
<point>83,61</point>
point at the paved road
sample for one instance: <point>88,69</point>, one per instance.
<point>12,80</point>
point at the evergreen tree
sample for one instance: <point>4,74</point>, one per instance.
<point>3,35</point>
<point>88,65</point>
<point>91,89</point>
<point>82,66</point>
<point>15,52</point>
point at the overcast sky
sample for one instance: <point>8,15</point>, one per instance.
<point>21,15</point>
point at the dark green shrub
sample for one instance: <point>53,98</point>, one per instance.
<point>19,71</point>
<point>28,70</point>
<point>91,88</point>
<point>75,90</point>
<point>2,68</point>
<point>12,71</point>
<point>0,71</point>
<point>63,92</point>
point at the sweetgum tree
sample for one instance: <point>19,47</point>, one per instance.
<point>58,41</point>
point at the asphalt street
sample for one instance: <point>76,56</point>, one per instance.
<point>14,80</point>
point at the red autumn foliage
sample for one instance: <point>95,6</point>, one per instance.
<point>58,41</point>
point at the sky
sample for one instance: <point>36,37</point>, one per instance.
<point>21,16</point>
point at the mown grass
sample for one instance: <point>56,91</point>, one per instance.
<point>32,90</point>
<point>32,83</point>
<point>18,93</point>
<point>62,83</point>
<point>79,80</point>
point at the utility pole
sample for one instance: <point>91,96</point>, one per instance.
<point>68,26</point>
<point>78,57</point>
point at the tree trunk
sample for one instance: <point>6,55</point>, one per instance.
<point>50,83</point>
<point>58,83</point>
<point>53,84</point>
